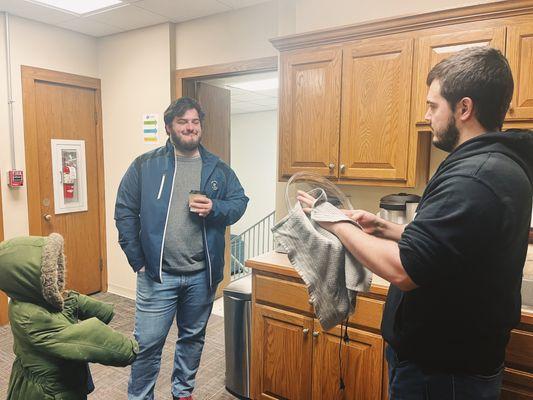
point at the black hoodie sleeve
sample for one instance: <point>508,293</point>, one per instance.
<point>453,225</point>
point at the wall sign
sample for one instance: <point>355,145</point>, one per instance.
<point>150,128</point>
<point>69,176</point>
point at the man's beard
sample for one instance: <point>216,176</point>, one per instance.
<point>448,138</point>
<point>183,145</point>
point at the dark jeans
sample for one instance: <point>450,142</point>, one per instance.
<point>408,382</point>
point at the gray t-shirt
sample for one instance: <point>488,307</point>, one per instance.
<point>184,250</point>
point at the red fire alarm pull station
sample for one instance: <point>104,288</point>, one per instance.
<point>15,179</point>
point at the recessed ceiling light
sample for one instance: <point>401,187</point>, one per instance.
<point>77,6</point>
<point>263,84</point>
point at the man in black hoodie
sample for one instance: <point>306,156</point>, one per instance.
<point>456,270</point>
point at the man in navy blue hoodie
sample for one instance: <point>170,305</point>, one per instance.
<point>456,269</point>
<point>175,244</point>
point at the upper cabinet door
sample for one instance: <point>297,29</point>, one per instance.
<point>375,109</point>
<point>310,111</point>
<point>520,55</point>
<point>434,48</point>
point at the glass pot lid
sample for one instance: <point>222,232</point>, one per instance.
<point>312,183</point>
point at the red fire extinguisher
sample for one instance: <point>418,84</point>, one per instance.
<point>68,183</point>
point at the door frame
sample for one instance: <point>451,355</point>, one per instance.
<point>3,297</point>
<point>29,76</point>
<point>185,81</point>
<point>185,78</point>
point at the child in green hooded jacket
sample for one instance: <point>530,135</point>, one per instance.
<point>56,332</point>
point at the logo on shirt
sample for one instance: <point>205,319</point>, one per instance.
<point>214,185</point>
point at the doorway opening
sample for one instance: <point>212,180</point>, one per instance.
<point>241,105</point>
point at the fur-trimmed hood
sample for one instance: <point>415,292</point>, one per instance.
<point>32,269</point>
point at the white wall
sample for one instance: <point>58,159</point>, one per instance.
<point>254,138</point>
<point>37,45</point>
<point>136,68</point>
<point>233,36</point>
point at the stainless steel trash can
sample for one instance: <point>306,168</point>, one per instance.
<point>237,332</point>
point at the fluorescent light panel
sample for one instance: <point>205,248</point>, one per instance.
<point>78,6</point>
<point>254,86</point>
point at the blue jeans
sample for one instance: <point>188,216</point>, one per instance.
<point>408,382</point>
<point>187,297</point>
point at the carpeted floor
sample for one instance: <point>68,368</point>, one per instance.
<point>111,383</point>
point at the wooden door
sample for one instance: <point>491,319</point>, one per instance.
<point>362,363</point>
<point>282,353</point>
<point>64,106</point>
<point>3,297</point>
<point>216,128</point>
<point>433,48</point>
<point>519,52</point>
<point>376,96</point>
<point>310,112</point>
<point>216,137</point>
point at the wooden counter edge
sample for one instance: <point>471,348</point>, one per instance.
<point>277,263</point>
<point>527,317</point>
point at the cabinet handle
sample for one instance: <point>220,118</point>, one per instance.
<point>343,167</point>
<point>47,217</point>
<point>305,331</point>
<point>331,166</point>
<point>315,334</point>
<point>310,301</point>
<point>511,108</point>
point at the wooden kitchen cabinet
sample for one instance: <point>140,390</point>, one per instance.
<point>518,375</point>
<point>376,91</point>
<point>433,48</point>
<point>362,363</point>
<point>370,138</point>
<point>310,111</point>
<point>283,351</point>
<point>294,358</point>
<point>519,52</point>
<point>353,98</point>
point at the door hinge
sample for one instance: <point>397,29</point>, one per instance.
<point>101,264</point>
<point>96,117</point>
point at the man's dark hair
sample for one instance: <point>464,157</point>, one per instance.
<point>484,75</point>
<point>180,106</point>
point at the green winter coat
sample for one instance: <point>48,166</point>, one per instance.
<point>52,348</point>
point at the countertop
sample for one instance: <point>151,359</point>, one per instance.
<point>279,263</point>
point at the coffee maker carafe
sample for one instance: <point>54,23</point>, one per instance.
<point>398,208</point>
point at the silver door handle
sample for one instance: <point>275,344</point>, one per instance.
<point>331,166</point>
<point>305,331</point>
<point>315,334</point>
<point>343,167</point>
<point>47,217</point>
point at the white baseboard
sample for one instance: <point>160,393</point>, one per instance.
<point>121,291</point>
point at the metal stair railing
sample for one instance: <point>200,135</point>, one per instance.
<point>255,240</point>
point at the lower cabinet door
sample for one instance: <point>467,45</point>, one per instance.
<point>517,385</point>
<point>359,361</point>
<point>282,354</point>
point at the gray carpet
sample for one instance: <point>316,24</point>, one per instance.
<point>111,383</point>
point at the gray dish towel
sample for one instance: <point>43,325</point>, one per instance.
<point>332,275</point>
